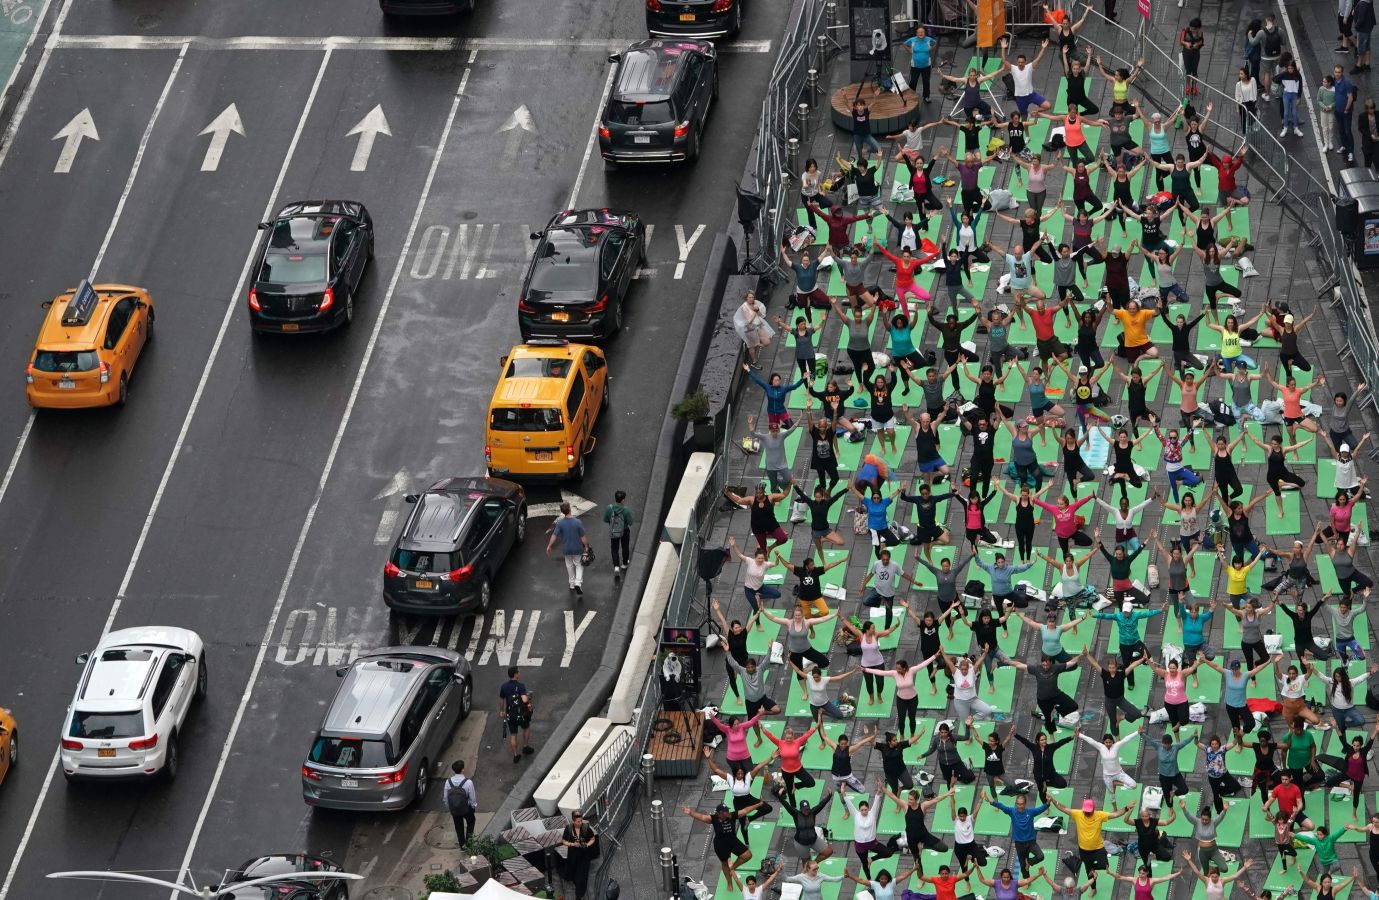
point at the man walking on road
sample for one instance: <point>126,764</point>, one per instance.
<point>461,800</point>
<point>619,519</point>
<point>569,534</point>
<point>514,705</point>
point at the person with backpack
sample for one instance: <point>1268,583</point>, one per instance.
<point>515,708</point>
<point>620,521</point>
<point>461,800</point>
<point>569,534</point>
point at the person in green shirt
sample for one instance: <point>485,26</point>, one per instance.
<point>619,520</point>
<point>1326,105</point>
<point>1300,754</point>
<point>1324,842</point>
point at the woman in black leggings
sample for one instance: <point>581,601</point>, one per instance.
<point>1044,769</point>
<point>1122,461</point>
<point>1227,479</point>
<point>1024,517</point>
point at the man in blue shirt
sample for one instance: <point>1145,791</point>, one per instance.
<point>921,45</point>
<point>514,706</point>
<point>1345,108</point>
<point>1022,829</point>
<point>569,534</point>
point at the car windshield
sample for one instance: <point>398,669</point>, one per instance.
<point>567,261</point>
<point>66,360</point>
<point>104,725</point>
<point>349,753</point>
<point>543,367</point>
<point>654,112</point>
<point>526,418</point>
<point>422,561</point>
<point>293,268</point>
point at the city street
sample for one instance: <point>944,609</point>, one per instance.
<point>252,486</point>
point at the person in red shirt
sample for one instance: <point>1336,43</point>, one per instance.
<point>1288,797</point>
<point>905,267</point>
<point>945,882</point>
<point>1229,194</point>
<point>788,749</point>
<point>839,223</point>
<point>1047,344</point>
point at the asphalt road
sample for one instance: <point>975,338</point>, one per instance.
<point>249,489</point>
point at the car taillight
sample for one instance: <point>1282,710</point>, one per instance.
<point>308,772</point>
<point>105,372</point>
<point>254,301</point>
<point>72,745</point>
<point>327,300</point>
<point>653,5</point>
<point>603,129</point>
<point>570,454</point>
<point>390,570</point>
<point>722,6</point>
<point>393,777</point>
<point>681,130</point>
<point>147,743</point>
<point>600,306</point>
<point>488,453</point>
<point>29,373</point>
<point>463,573</point>
<point>524,307</point>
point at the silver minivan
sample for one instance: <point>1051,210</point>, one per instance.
<point>391,717</point>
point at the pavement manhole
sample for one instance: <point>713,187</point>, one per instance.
<point>388,892</point>
<point>149,20</point>
<point>442,837</point>
<point>469,214</point>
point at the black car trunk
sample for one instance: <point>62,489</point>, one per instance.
<point>564,307</point>
<point>290,301</point>
<point>646,125</point>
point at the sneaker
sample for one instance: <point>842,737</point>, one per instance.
<point>517,758</point>
<point>1297,132</point>
<point>580,591</point>
<point>527,751</point>
<point>1357,70</point>
<point>1283,132</point>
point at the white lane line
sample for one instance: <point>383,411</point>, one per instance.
<point>172,460</point>
<point>1312,115</point>
<point>18,452</point>
<point>339,42</point>
<point>325,476</point>
<point>7,140</point>
<point>138,161</point>
<point>593,139</point>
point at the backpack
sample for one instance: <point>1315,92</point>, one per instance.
<point>1273,42</point>
<point>458,801</point>
<point>616,524</point>
<point>515,708</point>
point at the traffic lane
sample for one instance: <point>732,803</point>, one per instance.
<point>220,544</point>
<point>54,222</point>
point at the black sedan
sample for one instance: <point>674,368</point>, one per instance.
<point>577,281</point>
<point>310,266</point>
<point>284,865</point>
<point>452,545</point>
<point>694,18</point>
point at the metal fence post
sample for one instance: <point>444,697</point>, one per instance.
<point>802,120</point>
<point>648,772</point>
<point>812,80</point>
<point>831,14</point>
<point>793,153</point>
<point>821,51</point>
<point>667,862</point>
<point>658,822</point>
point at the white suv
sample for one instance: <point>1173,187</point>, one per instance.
<point>133,697</point>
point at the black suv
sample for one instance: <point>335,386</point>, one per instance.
<point>693,18</point>
<point>452,545</point>
<point>659,102</point>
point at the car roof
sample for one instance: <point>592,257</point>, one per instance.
<point>70,328</point>
<point>438,520</point>
<point>612,218</point>
<point>116,683</point>
<point>351,208</point>
<point>377,686</point>
<point>649,70</point>
<point>516,391</point>
<point>152,635</point>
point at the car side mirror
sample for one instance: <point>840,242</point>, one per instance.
<point>614,57</point>
<point>459,677</point>
<point>535,235</point>
<point>83,658</point>
<point>265,225</point>
<point>502,360</point>
<point>340,672</point>
<point>411,498</point>
<point>46,304</point>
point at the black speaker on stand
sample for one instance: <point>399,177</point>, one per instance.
<point>749,207</point>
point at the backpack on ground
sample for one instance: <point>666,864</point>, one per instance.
<point>458,801</point>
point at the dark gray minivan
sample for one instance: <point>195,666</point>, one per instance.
<point>389,721</point>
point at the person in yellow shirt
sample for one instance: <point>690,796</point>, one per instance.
<point>1236,574</point>
<point>1091,846</point>
<point>1135,322</point>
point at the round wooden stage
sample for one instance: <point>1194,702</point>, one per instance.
<point>890,112</point>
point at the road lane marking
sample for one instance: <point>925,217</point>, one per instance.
<point>72,134</point>
<point>18,452</point>
<point>368,129</point>
<point>138,161</point>
<point>230,309</point>
<point>593,138</point>
<point>346,42</point>
<point>7,141</point>
<point>686,245</point>
<point>386,523</point>
<point>220,129</point>
<point>329,467</point>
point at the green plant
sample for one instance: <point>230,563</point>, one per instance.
<point>444,882</point>
<point>489,849</point>
<point>693,407</point>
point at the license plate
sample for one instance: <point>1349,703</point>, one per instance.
<point>66,385</point>
<point>543,456</point>
<point>560,317</point>
<point>106,752</point>
<point>349,782</point>
<point>686,17</point>
<point>641,138</point>
<point>424,583</point>
<point>291,326</point>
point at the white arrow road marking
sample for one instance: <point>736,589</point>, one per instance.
<point>520,118</point>
<point>82,126</point>
<point>386,523</point>
<point>369,128</point>
<point>578,505</point>
<point>398,485</point>
<point>219,130</point>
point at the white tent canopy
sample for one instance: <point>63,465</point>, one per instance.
<point>491,890</point>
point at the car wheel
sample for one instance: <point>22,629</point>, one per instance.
<point>522,524</point>
<point>715,72</point>
<point>148,331</point>
<point>485,596</point>
<point>349,308</point>
<point>124,391</point>
<point>201,677</point>
<point>14,748</point>
<point>466,700</point>
<point>171,763</point>
<point>615,320</point>
<point>604,403</point>
<point>577,473</point>
<point>641,253</point>
<point>423,781</point>
<point>692,155</point>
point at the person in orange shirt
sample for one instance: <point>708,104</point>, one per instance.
<point>1135,341</point>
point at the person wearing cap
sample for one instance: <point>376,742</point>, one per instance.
<point>1089,821</point>
<point>1127,620</point>
<point>808,839</point>
<point>729,849</point>
<point>1347,476</point>
<point>1235,681</point>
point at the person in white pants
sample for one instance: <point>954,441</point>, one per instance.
<point>1113,774</point>
<point>569,534</point>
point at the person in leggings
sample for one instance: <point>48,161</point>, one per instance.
<point>917,834</point>
<point>1045,771</point>
<point>906,697</point>
<point>1149,835</point>
<point>893,766</point>
<point>789,748</point>
<point>730,851</point>
<point>1371,831</point>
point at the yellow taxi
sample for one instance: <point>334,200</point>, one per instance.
<point>88,345</point>
<point>541,418</point>
<point>9,743</point>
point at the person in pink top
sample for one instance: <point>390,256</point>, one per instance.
<point>1065,526</point>
<point>1341,512</point>
<point>906,264</point>
<point>1175,692</point>
<point>906,697</point>
<point>736,734</point>
<point>789,747</point>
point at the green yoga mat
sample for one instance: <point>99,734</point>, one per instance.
<point>884,708</point>
<point>1278,880</point>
